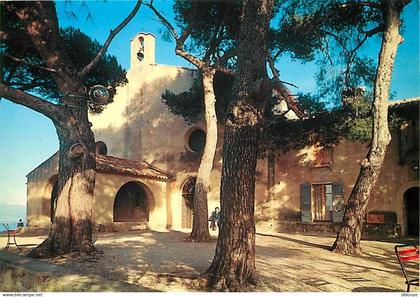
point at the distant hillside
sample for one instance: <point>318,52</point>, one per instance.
<point>12,212</point>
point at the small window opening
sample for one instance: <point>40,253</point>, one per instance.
<point>140,53</point>
<point>197,140</point>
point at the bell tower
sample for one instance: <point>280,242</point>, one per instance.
<point>142,50</point>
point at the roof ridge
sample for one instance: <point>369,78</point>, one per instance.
<point>404,101</point>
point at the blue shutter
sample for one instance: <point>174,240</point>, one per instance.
<point>338,202</point>
<point>305,203</point>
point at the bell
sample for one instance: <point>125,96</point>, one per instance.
<point>140,55</point>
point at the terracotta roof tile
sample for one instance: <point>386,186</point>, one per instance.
<point>118,166</point>
<point>113,165</point>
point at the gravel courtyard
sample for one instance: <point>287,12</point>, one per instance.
<point>163,261</point>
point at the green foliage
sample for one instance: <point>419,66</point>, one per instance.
<point>352,121</point>
<point>107,72</point>
<point>216,27</point>
<point>80,48</point>
<point>331,34</point>
<point>310,104</point>
<point>190,104</point>
<point>358,129</point>
<point>327,32</point>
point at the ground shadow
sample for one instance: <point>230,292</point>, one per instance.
<point>373,289</point>
<point>398,240</point>
<point>303,242</point>
<point>148,258</point>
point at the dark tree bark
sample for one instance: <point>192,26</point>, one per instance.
<point>349,235</point>
<point>233,266</point>
<point>71,230</point>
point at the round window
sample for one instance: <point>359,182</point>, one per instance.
<point>197,140</point>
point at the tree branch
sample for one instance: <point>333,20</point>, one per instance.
<point>223,69</point>
<point>340,42</point>
<point>179,50</point>
<point>38,104</point>
<point>226,56</point>
<point>273,67</point>
<point>359,4</point>
<point>276,55</point>
<point>275,72</point>
<point>11,74</point>
<point>164,21</point>
<point>215,42</point>
<point>369,33</point>
<point>375,30</point>
<point>111,36</point>
<point>25,87</point>
<point>185,34</point>
<point>28,64</point>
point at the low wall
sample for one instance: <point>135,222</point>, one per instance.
<point>369,230</point>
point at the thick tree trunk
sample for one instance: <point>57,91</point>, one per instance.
<point>200,229</point>
<point>233,266</point>
<point>349,235</point>
<point>271,173</point>
<point>71,230</point>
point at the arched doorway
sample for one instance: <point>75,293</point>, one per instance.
<point>132,203</point>
<point>54,196</point>
<point>188,188</point>
<point>50,197</point>
<point>411,202</point>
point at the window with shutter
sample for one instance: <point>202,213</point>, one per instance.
<point>305,203</point>
<point>338,202</point>
<point>322,196</point>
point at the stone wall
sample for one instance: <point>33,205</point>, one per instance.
<point>372,231</point>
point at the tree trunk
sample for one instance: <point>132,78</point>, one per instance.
<point>271,173</point>
<point>349,235</point>
<point>233,266</point>
<point>71,230</point>
<point>200,229</point>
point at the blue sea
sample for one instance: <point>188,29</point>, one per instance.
<point>12,225</point>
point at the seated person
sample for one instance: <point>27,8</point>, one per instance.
<point>20,225</point>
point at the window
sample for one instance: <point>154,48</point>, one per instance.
<point>196,139</point>
<point>188,189</point>
<point>140,53</point>
<point>323,157</point>
<point>322,197</point>
<point>101,148</point>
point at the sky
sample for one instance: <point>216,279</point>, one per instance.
<point>28,138</point>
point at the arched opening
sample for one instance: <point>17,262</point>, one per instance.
<point>188,189</point>
<point>101,148</point>
<point>140,53</point>
<point>54,196</point>
<point>132,203</point>
<point>50,197</point>
<point>195,140</point>
<point>411,202</point>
